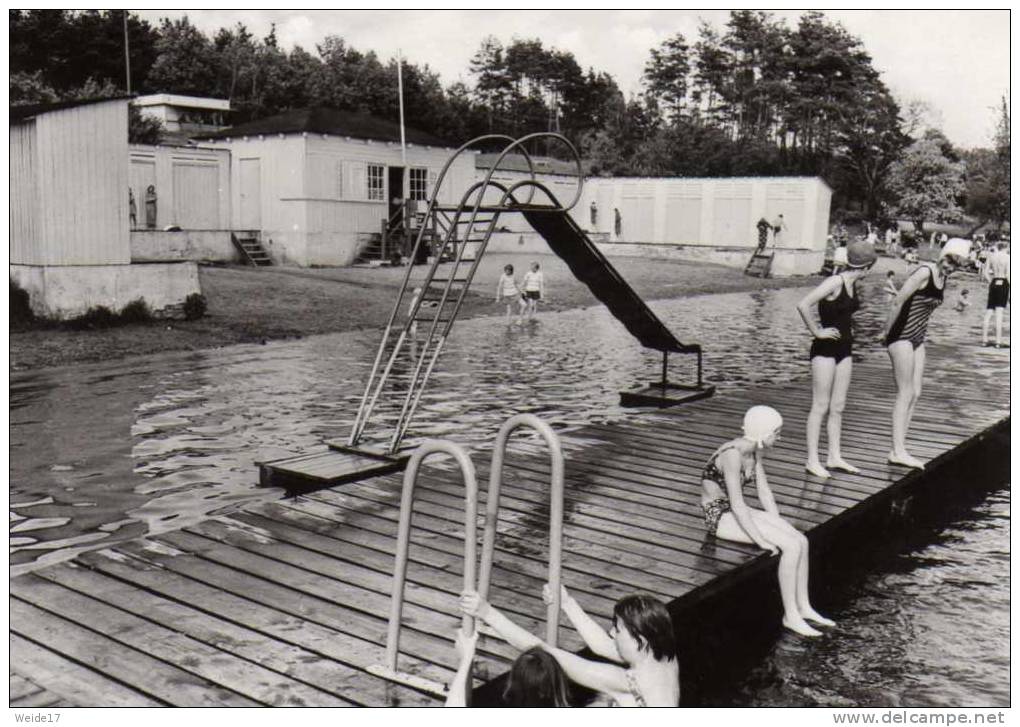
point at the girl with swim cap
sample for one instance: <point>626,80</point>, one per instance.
<point>905,331</point>
<point>835,300</point>
<point>729,470</point>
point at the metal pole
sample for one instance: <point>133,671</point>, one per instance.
<point>403,145</point>
<point>665,359</point>
<point>127,55</point>
<point>555,513</point>
<point>467,469</point>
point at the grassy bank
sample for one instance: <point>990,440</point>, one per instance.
<point>252,305</point>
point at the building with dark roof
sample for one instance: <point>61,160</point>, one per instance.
<point>319,183</point>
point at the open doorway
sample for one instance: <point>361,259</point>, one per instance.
<point>396,191</point>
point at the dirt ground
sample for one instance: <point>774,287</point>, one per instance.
<point>252,305</point>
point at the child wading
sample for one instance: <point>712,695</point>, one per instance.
<point>534,289</point>
<point>507,288</point>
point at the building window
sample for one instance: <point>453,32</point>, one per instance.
<point>419,183</point>
<point>376,182</point>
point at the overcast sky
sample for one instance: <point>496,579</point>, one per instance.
<point>956,60</point>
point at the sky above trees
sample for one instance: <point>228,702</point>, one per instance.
<point>955,61</point>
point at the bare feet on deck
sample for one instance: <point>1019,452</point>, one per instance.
<point>905,460</point>
<point>815,617</point>
<point>816,469</point>
<point>838,463</point>
<point>801,627</point>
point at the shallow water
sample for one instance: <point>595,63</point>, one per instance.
<point>104,452</point>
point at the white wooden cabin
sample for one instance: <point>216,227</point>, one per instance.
<point>70,242</point>
<point>318,183</point>
<point>710,219</point>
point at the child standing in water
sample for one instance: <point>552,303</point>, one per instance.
<point>507,288</point>
<point>534,289</point>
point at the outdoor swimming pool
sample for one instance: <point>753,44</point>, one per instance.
<point>104,452</point>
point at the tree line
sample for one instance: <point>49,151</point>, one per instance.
<point>755,97</point>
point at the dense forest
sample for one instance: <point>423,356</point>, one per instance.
<point>755,97</point>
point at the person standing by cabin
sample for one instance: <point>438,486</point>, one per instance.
<point>644,669</point>
<point>132,209</point>
<point>778,228</point>
<point>763,235</point>
<point>905,331</point>
<point>835,300</point>
<point>617,222</point>
<point>150,207</point>
<point>732,467</point>
<point>534,289</point>
<point>996,272</point>
<point>593,211</point>
<point>507,289</point>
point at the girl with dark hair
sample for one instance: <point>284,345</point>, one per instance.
<point>536,679</point>
<point>640,641</point>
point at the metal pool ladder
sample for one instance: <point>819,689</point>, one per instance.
<point>389,669</point>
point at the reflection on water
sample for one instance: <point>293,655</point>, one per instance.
<point>104,452</point>
<point>115,450</point>
<point>927,627</point>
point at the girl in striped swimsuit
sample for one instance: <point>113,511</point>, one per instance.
<point>906,327</point>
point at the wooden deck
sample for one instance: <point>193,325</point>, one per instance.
<point>285,603</point>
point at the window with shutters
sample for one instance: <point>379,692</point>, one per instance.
<point>376,182</point>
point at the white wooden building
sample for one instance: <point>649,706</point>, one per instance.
<point>70,242</point>
<point>318,182</point>
<point>711,219</point>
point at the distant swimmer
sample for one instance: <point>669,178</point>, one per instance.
<point>996,272</point>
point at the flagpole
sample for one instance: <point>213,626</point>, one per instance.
<point>403,144</point>
<point>127,55</point>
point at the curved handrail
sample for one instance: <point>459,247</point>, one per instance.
<point>542,134</point>
<point>467,469</point>
<point>555,513</point>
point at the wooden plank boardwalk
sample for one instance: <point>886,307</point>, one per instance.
<point>285,603</point>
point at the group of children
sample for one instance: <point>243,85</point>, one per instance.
<point>526,295</point>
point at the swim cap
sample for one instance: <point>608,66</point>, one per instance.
<point>860,254</point>
<point>760,422</point>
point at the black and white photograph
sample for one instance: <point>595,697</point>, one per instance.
<point>510,358</point>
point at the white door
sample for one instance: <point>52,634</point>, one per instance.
<point>251,194</point>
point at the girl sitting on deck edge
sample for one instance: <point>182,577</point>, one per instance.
<point>730,468</point>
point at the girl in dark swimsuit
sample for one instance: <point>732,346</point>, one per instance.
<point>735,465</point>
<point>831,360</point>
<point>905,332</point>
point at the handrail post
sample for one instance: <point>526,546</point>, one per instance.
<point>467,469</point>
<point>555,513</point>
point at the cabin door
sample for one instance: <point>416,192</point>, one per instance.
<point>396,189</point>
<point>251,194</point>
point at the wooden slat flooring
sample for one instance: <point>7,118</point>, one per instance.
<point>285,603</point>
